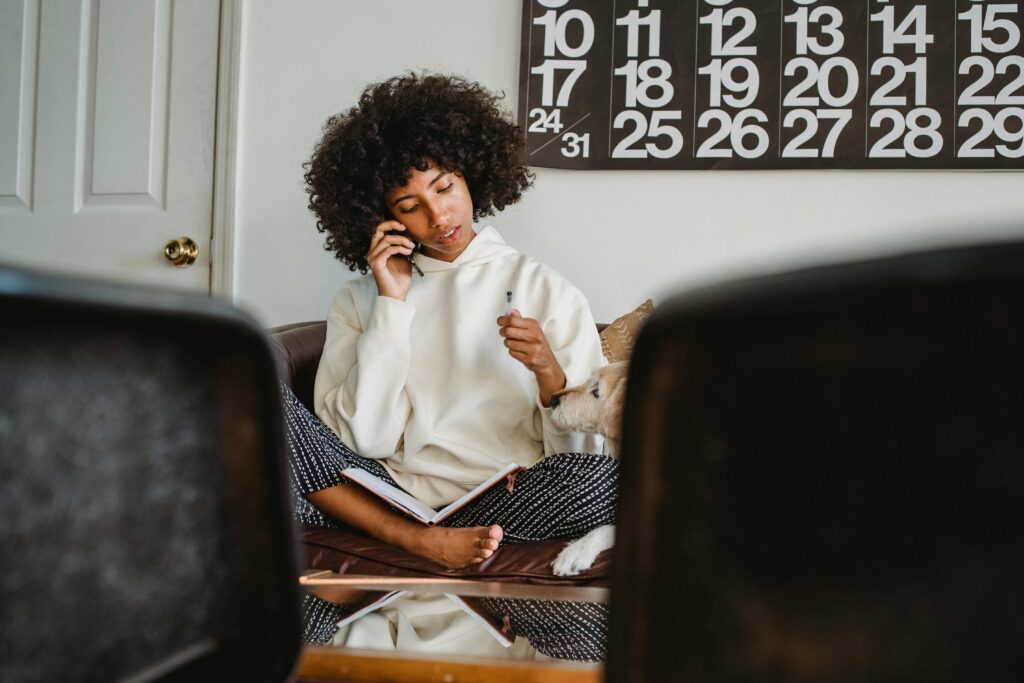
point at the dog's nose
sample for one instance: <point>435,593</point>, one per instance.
<point>555,400</point>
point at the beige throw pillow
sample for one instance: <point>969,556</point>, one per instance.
<point>618,338</point>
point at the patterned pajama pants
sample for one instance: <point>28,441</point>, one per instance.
<point>562,496</point>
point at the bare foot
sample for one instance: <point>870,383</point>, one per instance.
<point>454,547</point>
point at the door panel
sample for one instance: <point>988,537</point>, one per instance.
<point>113,138</point>
<point>19,57</point>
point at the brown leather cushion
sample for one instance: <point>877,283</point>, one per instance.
<point>351,552</point>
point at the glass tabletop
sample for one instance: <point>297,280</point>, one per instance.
<point>456,619</point>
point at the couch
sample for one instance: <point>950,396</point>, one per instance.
<point>351,551</point>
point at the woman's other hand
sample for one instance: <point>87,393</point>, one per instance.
<point>393,275</point>
<point>526,342</point>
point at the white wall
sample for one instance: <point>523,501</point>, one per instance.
<point>620,236</point>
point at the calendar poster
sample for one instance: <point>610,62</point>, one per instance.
<point>773,84</point>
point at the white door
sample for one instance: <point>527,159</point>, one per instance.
<point>106,136</point>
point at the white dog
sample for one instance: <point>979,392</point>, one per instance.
<point>594,406</point>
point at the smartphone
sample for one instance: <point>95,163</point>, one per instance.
<point>412,261</point>
<point>415,248</point>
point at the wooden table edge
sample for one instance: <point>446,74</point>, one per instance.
<point>323,663</point>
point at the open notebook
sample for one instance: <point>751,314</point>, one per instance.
<point>414,507</point>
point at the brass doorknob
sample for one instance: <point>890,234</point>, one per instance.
<point>182,251</point>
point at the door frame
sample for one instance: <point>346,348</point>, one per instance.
<point>223,233</point>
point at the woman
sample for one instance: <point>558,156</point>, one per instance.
<point>424,376</point>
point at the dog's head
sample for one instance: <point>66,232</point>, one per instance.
<point>596,405</point>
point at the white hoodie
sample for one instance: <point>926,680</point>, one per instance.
<point>427,385</point>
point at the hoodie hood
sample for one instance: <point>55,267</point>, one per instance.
<point>487,246</point>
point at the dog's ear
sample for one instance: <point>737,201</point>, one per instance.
<point>614,402</point>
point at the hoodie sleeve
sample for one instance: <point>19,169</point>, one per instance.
<point>572,334</point>
<point>360,383</point>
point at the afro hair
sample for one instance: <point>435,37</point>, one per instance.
<point>404,123</point>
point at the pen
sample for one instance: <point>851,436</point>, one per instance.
<point>508,303</point>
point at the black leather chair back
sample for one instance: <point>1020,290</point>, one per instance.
<point>824,477</point>
<point>144,526</point>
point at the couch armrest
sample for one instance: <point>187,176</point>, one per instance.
<point>299,347</point>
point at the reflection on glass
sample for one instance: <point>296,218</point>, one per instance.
<point>447,624</point>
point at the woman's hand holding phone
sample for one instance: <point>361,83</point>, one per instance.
<point>389,260</point>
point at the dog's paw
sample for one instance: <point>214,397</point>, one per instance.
<point>579,555</point>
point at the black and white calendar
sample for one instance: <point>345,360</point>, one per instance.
<point>759,84</point>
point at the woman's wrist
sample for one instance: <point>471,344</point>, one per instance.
<point>391,291</point>
<point>548,383</point>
